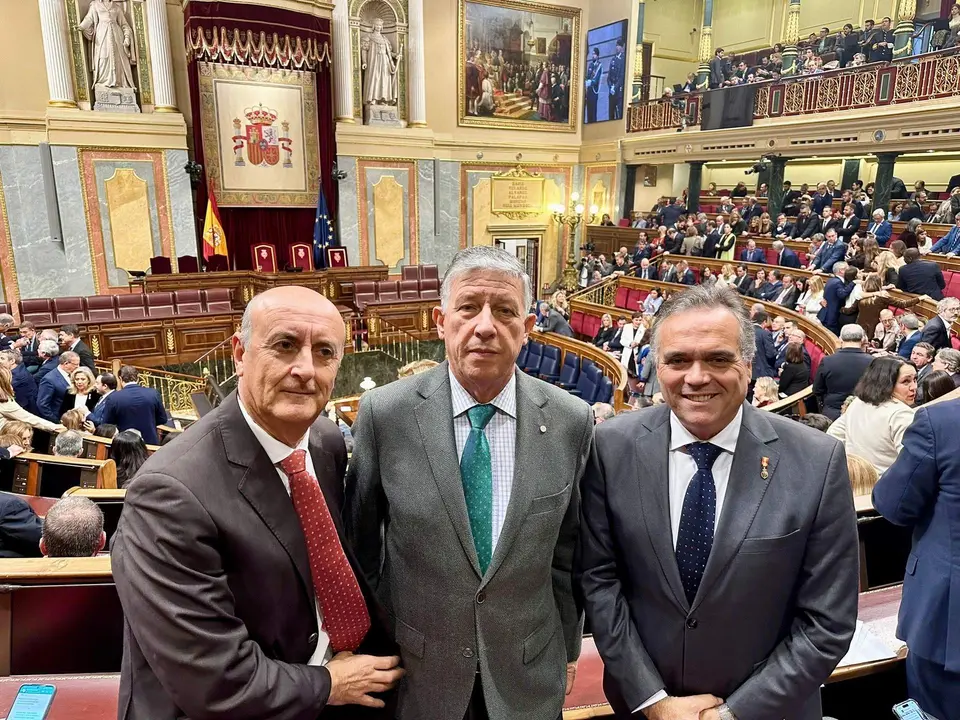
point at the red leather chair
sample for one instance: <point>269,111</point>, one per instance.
<point>409,290</point>
<point>38,310</point>
<point>188,264</point>
<point>131,307</point>
<point>69,310</point>
<point>431,294</point>
<point>160,265</point>
<point>387,291</point>
<point>159,304</point>
<point>101,307</point>
<point>621,298</point>
<point>264,257</point>
<point>218,300</point>
<point>429,272</point>
<point>623,222</point>
<point>429,284</point>
<point>364,293</point>
<point>188,302</point>
<point>301,256</point>
<point>772,256</point>
<point>5,309</point>
<point>217,263</point>
<point>410,272</point>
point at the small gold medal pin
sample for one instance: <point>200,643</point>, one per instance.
<point>764,464</point>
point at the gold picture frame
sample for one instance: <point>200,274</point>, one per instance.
<point>514,103</point>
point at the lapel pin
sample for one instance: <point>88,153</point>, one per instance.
<point>543,428</point>
<point>764,464</point>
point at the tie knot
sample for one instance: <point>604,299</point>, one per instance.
<point>480,415</point>
<point>705,454</point>
<point>295,462</point>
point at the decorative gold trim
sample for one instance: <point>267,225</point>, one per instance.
<point>171,341</point>
<point>88,215</point>
<point>11,294</point>
<point>516,173</point>
<point>166,191</point>
<point>569,13</point>
<point>416,125</point>
<point>144,66</point>
<point>95,345</point>
<point>165,109</point>
<point>68,104</point>
<point>348,120</point>
<point>78,52</point>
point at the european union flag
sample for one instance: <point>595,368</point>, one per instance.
<point>323,236</point>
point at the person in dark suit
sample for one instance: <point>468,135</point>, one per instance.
<point>24,384</point>
<point>880,42</point>
<point>783,228</point>
<point>135,407</point>
<point>615,80</point>
<point>849,224</point>
<point>774,286</point>
<point>828,222</point>
<point>717,69</point>
<point>53,387</point>
<point>807,225</point>
<point>789,293</point>
<point>20,528</point>
<point>685,276</point>
<point>751,253</point>
<point>744,282</point>
<point>591,91</point>
<point>554,321</point>
<point>835,293</point>
<point>913,209</point>
<point>6,322</point>
<point>937,330</point>
<point>880,228</point>
<point>921,491</point>
<point>795,336</point>
<point>766,353</point>
<point>751,210</point>
<point>794,373</point>
<point>791,198</point>
<point>920,277</point>
<point>70,340</point>
<point>646,271</point>
<point>838,374</point>
<point>832,252</point>
<point>212,535</point>
<point>954,182</point>
<point>29,346</point>
<point>785,256</point>
<point>82,388</point>
<point>910,330</point>
<point>735,501</point>
<point>848,45</point>
<point>821,199</point>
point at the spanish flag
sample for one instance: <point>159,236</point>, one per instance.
<point>214,239</point>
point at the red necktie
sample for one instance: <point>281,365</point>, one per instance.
<point>345,616</point>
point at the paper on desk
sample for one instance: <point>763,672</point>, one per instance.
<point>866,647</point>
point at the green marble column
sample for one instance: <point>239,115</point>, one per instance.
<point>903,32</point>
<point>791,38</point>
<point>884,181</point>
<point>638,68</point>
<point>706,46</point>
<point>777,175</point>
<point>693,186</point>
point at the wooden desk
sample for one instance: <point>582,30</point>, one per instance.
<point>30,468</point>
<point>79,697</point>
<point>346,409</point>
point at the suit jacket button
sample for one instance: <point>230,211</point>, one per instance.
<point>312,640</point>
<point>692,623</point>
<point>481,596</point>
<point>467,653</point>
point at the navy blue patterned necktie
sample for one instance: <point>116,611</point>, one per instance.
<point>695,538</point>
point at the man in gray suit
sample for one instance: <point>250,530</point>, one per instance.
<point>462,506</point>
<point>718,550</point>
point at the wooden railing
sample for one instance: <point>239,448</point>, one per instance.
<point>918,78</point>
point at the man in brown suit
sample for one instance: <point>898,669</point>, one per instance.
<point>231,609</point>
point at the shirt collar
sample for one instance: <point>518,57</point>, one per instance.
<point>276,450</point>
<point>74,343</point>
<point>64,373</point>
<point>726,439</point>
<point>505,402</point>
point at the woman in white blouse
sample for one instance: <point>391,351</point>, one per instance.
<point>10,410</point>
<point>874,424</point>
<point>81,393</point>
<point>809,302</point>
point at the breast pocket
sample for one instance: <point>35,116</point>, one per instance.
<point>762,545</point>
<point>550,503</point>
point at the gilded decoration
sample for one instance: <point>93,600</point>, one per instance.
<point>762,102</point>
<point>171,341</point>
<point>829,95</point>
<point>95,345</point>
<point>78,54</point>
<point>128,213</point>
<point>706,44</point>
<point>791,34</point>
<point>482,99</point>
<point>424,320</point>
<point>947,75</point>
<point>260,135</point>
<point>794,99</point>
<point>259,49</point>
<point>516,194</point>
<point>367,166</point>
<point>388,220</point>
<point>864,88</point>
<point>908,82</point>
<point>144,70</point>
<point>8,273</point>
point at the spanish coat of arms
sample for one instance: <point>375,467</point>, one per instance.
<point>263,140</point>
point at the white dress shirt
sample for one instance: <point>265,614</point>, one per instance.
<point>80,401</point>
<point>501,434</point>
<point>682,468</point>
<point>278,452</point>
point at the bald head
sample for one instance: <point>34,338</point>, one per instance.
<point>287,355</point>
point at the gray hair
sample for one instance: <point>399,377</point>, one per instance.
<point>73,528</point>
<point>909,321</point>
<point>69,356</point>
<point>707,297</point>
<point>480,258</point>
<point>12,356</point>
<point>49,348</point>
<point>851,333</point>
<point>948,303</point>
<point>49,334</point>
<point>880,214</point>
<point>913,224</point>
<point>603,411</point>
<point>6,319</point>
<point>777,245</point>
<point>839,268</point>
<point>950,359</point>
<point>68,444</point>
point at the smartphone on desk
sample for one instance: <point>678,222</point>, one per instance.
<point>909,710</point>
<point>32,702</point>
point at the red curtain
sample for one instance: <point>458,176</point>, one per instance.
<point>245,227</point>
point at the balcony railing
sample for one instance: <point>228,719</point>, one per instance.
<point>922,77</point>
<point>175,388</point>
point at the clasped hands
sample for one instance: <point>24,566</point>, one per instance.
<point>692,707</point>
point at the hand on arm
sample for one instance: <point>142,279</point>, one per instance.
<point>354,678</point>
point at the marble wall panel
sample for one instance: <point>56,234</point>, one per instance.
<point>348,217</point>
<point>181,203</point>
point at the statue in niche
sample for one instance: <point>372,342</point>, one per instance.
<point>380,66</point>
<point>107,27</point>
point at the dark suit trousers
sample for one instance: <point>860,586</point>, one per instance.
<point>935,690</point>
<point>477,709</point>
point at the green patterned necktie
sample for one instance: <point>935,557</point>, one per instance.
<point>477,474</point>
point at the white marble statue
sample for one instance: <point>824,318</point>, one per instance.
<point>379,67</point>
<point>107,26</point>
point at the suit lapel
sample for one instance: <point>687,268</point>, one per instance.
<point>654,478</point>
<point>531,416</point>
<point>435,421</point>
<point>745,491</point>
<point>261,487</point>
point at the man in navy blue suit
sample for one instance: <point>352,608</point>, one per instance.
<point>835,294</point>
<point>6,322</point>
<point>921,490</point>
<point>752,253</point>
<point>785,256</point>
<point>763,361</point>
<point>20,528</point>
<point>54,385</point>
<point>24,384</point>
<point>910,329</point>
<point>880,228</point>
<point>134,407</point>
<point>831,253</point>
<point>920,277</point>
